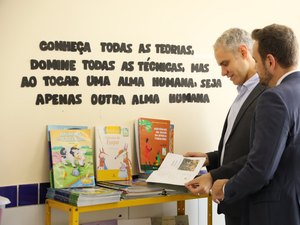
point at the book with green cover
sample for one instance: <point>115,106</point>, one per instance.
<point>72,158</point>
<point>58,127</point>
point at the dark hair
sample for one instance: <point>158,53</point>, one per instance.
<point>279,41</point>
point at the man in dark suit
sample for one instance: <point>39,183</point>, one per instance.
<point>233,53</point>
<point>271,175</point>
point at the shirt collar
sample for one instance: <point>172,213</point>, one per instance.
<point>284,76</point>
<point>250,83</point>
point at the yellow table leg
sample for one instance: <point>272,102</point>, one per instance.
<point>180,207</point>
<point>209,210</point>
<point>73,216</point>
<point>47,214</point>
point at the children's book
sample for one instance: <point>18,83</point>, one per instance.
<point>72,158</point>
<point>152,138</point>
<point>58,127</point>
<point>113,153</point>
<point>177,170</point>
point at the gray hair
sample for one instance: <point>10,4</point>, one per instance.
<point>233,38</point>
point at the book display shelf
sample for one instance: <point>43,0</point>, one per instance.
<point>75,211</point>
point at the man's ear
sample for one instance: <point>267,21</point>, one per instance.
<point>244,51</point>
<point>270,62</point>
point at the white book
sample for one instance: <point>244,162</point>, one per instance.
<point>177,170</point>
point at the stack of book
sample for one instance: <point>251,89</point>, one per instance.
<point>84,196</point>
<point>137,188</point>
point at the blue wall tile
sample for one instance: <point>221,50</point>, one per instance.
<point>10,192</point>
<point>28,194</point>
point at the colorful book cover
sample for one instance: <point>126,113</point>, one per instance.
<point>153,140</point>
<point>113,153</point>
<point>58,127</point>
<point>72,158</point>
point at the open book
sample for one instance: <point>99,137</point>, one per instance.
<point>177,170</point>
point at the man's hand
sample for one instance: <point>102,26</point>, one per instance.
<point>218,190</point>
<point>197,154</point>
<point>200,185</point>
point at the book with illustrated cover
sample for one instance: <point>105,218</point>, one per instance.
<point>58,127</point>
<point>177,170</point>
<point>113,153</point>
<point>152,137</point>
<point>72,158</point>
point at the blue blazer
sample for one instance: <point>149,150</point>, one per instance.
<point>236,148</point>
<point>271,176</point>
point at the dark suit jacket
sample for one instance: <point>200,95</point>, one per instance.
<point>271,175</point>
<point>236,148</point>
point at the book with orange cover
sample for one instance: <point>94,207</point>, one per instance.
<point>152,142</point>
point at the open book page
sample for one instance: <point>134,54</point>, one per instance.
<point>177,169</point>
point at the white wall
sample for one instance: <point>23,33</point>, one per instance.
<point>24,24</point>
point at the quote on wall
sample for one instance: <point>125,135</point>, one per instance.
<point>167,73</point>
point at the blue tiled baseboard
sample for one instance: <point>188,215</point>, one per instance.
<point>25,194</point>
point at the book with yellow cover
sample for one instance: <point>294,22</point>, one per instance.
<point>113,153</point>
